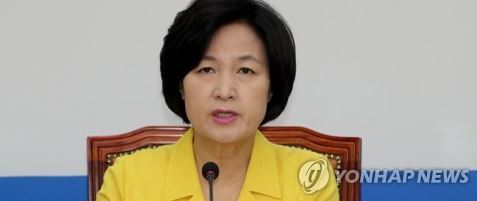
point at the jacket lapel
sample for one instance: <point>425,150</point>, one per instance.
<point>262,173</point>
<point>182,179</point>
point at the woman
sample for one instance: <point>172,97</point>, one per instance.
<point>227,67</point>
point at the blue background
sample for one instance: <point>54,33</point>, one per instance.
<point>74,188</point>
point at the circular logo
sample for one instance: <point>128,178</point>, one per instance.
<point>313,175</point>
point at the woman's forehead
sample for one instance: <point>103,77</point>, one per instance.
<point>236,40</point>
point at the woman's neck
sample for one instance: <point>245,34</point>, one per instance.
<point>229,157</point>
<point>232,159</point>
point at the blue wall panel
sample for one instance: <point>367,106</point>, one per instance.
<point>74,188</point>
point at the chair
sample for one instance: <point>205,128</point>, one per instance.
<point>343,152</point>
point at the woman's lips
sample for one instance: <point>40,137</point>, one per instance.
<point>223,116</point>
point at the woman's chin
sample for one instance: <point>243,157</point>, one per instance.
<point>227,138</point>
<point>229,134</point>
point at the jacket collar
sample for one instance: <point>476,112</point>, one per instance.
<point>262,173</point>
<point>182,179</point>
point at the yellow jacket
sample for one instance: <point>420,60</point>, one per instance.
<point>169,173</point>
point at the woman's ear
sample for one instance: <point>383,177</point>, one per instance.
<point>181,90</point>
<point>270,95</point>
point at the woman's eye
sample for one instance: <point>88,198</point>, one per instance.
<point>245,70</point>
<point>206,70</point>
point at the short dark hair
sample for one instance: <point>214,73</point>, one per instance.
<point>190,34</point>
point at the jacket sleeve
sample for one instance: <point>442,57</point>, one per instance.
<point>112,188</point>
<point>330,191</point>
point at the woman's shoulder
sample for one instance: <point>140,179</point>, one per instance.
<point>296,154</point>
<point>307,172</point>
<point>144,157</point>
<point>140,172</point>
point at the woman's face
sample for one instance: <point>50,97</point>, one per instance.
<point>226,95</point>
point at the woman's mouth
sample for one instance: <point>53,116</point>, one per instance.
<point>224,117</point>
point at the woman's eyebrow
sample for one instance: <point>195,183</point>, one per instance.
<point>249,58</point>
<point>208,57</point>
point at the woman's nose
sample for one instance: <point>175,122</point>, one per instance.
<point>225,88</point>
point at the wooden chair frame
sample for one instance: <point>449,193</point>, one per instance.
<point>343,152</point>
